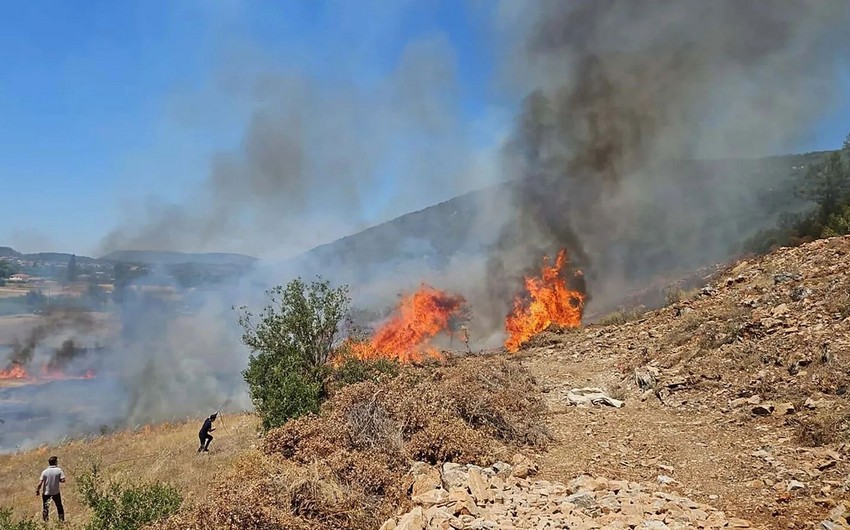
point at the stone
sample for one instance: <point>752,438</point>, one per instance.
<point>454,475</point>
<point>390,524</point>
<point>478,487</point>
<point>523,467</point>
<point>734,522</point>
<point>764,409</point>
<point>413,520</point>
<point>812,403</point>
<point>795,485</point>
<point>425,479</point>
<point>430,498</point>
<point>583,500</point>
<point>784,409</point>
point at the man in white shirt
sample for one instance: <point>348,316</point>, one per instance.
<point>50,480</point>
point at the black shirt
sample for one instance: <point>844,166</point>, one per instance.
<point>207,427</point>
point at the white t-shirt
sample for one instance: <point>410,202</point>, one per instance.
<point>51,477</point>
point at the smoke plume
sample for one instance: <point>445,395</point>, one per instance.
<point>624,98</point>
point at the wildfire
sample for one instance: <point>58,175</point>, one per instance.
<point>418,318</point>
<point>15,371</point>
<point>19,372</point>
<point>549,301</point>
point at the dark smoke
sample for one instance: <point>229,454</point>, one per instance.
<point>64,326</point>
<point>628,95</point>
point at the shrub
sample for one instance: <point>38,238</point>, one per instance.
<point>116,506</point>
<point>291,343</point>
<point>353,370</point>
<point>7,523</point>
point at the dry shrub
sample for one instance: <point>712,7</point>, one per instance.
<point>448,439</point>
<point>345,467</point>
<point>825,426</point>
<point>265,492</point>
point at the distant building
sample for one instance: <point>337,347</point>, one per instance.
<point>19,277</point>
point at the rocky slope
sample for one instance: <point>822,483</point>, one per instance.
<point>737,391</point>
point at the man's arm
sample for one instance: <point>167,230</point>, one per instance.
<point>62,477</point>
<point>40,484</point>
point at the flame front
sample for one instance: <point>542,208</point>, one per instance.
<point>15,371</point>
<point>417,319</point>
<point>19,372</point>
<point>549,301</point>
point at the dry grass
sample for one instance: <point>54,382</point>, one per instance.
<point>164,452</point>
<point>622,316</point>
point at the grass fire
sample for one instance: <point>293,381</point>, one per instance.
<point>548,300</point>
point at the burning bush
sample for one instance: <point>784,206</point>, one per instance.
<point>548,300</point>
<point>418,318</point>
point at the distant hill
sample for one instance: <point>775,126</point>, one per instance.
<point>747,195</point>
<point>158,257</point>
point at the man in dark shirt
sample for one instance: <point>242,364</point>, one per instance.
<point>204,433</point>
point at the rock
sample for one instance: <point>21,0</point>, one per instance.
<point>583,500</point>
<point>413,520</point>
<point>754,400</point>
<point>426,479</point>
<point>779,310</point>
<point>585,483</point>
<point>765,409</point>
<point>454,475</point>
<point>390,524</point>
<point>785,409</point>
<point>585,397</point>
<point>664,479</point>
<point>812,403</point>
<point>798,293</point>
<point>783,277</point>
<point>478,487</point>
<point>645,379</point>
<point>523,467</point>
<point>430,498</point>
<point>734,522</point>
<point>795,485</point>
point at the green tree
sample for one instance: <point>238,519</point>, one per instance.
<point>291,342</point>
<point>827,184</point>
<point>72,269</point>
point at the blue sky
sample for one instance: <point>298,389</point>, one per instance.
<point>104,103</point>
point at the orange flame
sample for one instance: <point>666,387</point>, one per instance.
<point>418,318</point>
<point>549,301</point>
<point>15,371</point>
<point>19,372</point>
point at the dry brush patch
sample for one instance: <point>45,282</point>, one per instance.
<point>346,467</point>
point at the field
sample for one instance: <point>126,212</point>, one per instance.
<point>165,452</point>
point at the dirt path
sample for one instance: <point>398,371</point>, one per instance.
<point>709,454</point>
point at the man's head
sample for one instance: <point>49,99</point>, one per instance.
<point>213,416</point>
<point>53,460</point>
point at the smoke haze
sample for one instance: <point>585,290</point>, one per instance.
<point>625,96</point>
<point>620,101</point>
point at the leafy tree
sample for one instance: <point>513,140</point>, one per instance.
<point>291,342</point>
<point>6,269</point>
<point>72,269</point>
<point>827,184</point>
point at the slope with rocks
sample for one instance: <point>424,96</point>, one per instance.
<point>734,396</point>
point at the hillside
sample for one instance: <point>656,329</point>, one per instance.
<point>735,414</point>
<point>164,452</point>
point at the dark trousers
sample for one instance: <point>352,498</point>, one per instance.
<point>206,438</point>
<point>45,505</point>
